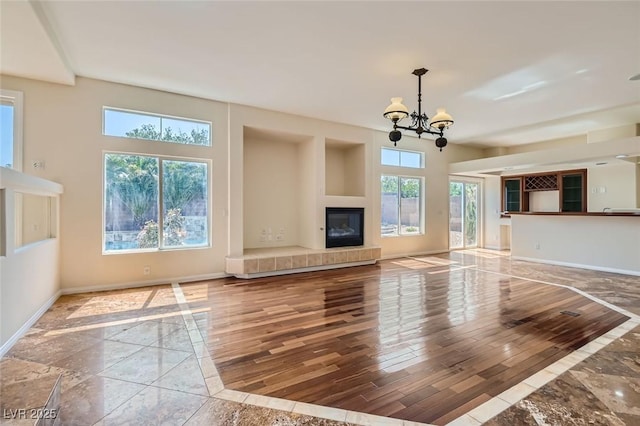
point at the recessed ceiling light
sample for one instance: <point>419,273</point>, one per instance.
<point>635,77</point>
<point>621,156</point>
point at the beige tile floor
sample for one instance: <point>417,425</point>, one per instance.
<point>136,357</point>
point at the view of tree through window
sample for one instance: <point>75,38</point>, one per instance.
<point>401,205</point>
<point>132,203</point>
<point>138,125</point>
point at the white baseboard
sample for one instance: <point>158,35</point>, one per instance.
<point>578,265</point>
<point>29,323</point>
<point>135,284</point>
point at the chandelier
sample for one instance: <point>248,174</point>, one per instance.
<point>420,123</point>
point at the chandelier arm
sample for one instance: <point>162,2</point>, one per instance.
<point>413,129</point>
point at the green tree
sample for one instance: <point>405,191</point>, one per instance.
<point>174,231</point>
<point>145,131</point>
<point>471,197</point>
<point>148,236</point>
<point>389,184</point>
<point>133,181</point>
<point>455,188</point>
<point>183,182</point>
<point>150,131</point>
<point>410,188</point>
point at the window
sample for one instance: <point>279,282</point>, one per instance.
<point>401,212</point>
<point>11,129</point>
<point>137,187</point>
<point>141,125</point>
<point>401,158</point>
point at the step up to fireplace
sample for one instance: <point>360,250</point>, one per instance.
<point>256,263</point>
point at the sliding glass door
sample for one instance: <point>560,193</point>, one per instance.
<point>463,214</point>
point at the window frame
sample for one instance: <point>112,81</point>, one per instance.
<point>160,203</point>
<point>421,206</point>
<point>16,98</point>
<point>400,151</point>
<point>160,116</point>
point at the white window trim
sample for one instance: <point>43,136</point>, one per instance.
<point>422,205</point>
<point>421,153</point>
<point>160,157</point>
<point>17,99</point>
<point>480,205</point>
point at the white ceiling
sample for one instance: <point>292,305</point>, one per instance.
<point>509,72</point>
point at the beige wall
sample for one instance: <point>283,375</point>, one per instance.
<point>335,171</point>
<point>611,186</point>
<point>544,201</point>
<point>63,129</point>
<point>35,212</point>
<point>606,243</point>
<point>271,193</point>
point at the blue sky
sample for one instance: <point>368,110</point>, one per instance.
<point>118,123</point>
<point>6,135</point>
<point>395,157</point>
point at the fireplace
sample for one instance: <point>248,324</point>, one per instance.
<point>344,227</point>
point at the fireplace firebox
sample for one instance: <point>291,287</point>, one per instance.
<point>344,226</point>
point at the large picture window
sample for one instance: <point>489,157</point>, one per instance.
<point>401,210</point>
<point>154,203</point>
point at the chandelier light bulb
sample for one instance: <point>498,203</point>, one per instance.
<point>396,111</point>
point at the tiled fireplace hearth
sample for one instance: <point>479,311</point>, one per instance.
<point>288,260</point>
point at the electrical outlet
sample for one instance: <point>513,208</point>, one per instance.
<point>146,270</point>
<point>279,237</point>
<point>537,246</point>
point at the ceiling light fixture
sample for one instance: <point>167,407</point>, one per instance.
<point>420,123</point>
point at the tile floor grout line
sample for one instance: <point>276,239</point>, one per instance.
<point>187,315</point>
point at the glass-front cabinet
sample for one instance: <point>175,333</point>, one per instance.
<point>573,191</point>
<point>512,195</point>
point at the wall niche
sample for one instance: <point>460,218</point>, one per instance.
<point>344,168</point>
<point>277,188</point>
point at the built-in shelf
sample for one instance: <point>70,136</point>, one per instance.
<point>542,182</point>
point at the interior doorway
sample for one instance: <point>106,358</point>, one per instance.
<point>464,214</point>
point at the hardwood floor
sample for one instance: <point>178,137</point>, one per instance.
<point>423,339</point>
